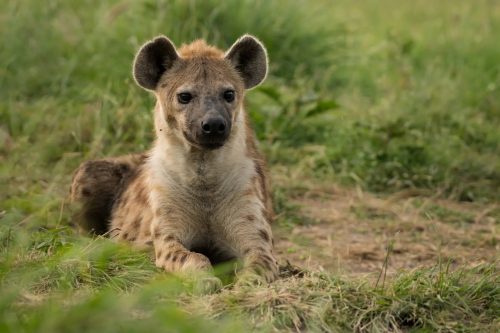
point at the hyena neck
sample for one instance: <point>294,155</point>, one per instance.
<point>175,159</point>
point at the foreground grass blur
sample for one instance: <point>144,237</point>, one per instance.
<point>64,283</point>
<point>383,95</point>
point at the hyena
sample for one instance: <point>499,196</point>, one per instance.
<point>200,195</point>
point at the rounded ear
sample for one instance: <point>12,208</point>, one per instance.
<point>152,60</point>
<point>249,57</point>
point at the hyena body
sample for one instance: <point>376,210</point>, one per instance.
<point>200,195</point>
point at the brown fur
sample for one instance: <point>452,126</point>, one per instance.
<point>199,48</point>
<point>196,203</point>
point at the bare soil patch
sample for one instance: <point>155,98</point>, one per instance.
<point>349,231</point>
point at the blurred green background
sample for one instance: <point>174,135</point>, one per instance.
<point>387,95</point>
<point>384,95</point>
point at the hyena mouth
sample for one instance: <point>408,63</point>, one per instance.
<point>212,146</point>
<point>204,144</point>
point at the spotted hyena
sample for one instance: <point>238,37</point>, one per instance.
<point>200,195</point>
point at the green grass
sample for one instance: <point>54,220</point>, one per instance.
<point>382,95</point>
<point>54,281</point>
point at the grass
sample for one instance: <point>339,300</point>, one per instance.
<point>381,96</point>
<point>68,283</point>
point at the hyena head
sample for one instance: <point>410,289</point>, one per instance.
<point>199,88</point>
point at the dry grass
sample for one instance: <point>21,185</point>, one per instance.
<point>349,231</point>
<point>319,302</point>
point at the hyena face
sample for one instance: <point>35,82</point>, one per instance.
<point>205,103</point>
<point>200,93</point>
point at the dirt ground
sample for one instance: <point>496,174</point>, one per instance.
<point>350,231</point>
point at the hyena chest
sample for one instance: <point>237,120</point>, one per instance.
<point>206,212</point>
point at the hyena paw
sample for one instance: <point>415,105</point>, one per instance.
<point>183,262</point>
<point>198,273</point>
<point>206,284</point>
<point>196,262</point>
<point>249,278</point>
<point>258,274</point>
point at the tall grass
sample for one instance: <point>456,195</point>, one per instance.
<point>396,98</point>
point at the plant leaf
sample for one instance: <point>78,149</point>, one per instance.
<point>321,107</point>
<point>271,92</point>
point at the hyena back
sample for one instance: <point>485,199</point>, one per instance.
<point>200,195</point>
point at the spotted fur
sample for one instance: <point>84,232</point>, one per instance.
<point>194,204</point>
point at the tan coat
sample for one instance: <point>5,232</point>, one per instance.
<point>197,198</point>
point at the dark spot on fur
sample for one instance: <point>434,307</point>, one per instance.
<point>265,264</point>
<point>141,195</point>
<point>125,235</point>
<point>251,218</point>
<point>267,215</point>
<point>86,192</point>
<point>172,122</point>
<point>121,170</point>
<point>262,178</point>
<point>168,255</point>
<point>159,253</point>
<point>183,257</point>
<point>137,223</point>
<point>149,243</point>
<point>260,250</point>
<point>267,258</point>
<point>249,192</point>
<point>264,235</point>
<point>169,238</point>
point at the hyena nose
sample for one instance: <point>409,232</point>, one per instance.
<point>213,126</point>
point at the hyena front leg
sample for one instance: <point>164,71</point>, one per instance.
<point>261,262</point>
<point>253,240</point>
<point>172,256</point>
<point>172,229</point>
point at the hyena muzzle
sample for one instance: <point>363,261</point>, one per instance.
<point>200,195</point>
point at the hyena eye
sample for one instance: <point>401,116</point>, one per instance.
<point>184,98</point>
<point>229,95</point>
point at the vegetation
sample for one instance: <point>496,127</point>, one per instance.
<point>384,98</point>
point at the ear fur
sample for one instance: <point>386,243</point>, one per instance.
<point>153,59</point>
<point>249,57</point>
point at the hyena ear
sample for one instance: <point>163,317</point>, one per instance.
<point>249,57</point>
<point>152,60</point>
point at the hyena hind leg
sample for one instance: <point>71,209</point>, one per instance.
<point>95,187</point>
